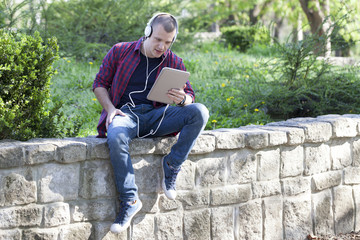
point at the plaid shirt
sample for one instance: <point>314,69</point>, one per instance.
<point>116,70</point>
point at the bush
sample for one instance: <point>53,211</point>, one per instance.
<point>244,37</point>
<point>25,73</point>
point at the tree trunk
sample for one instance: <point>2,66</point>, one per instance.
<point>319,24</point>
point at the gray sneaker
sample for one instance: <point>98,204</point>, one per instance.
<point>126,213</point>
<point>168,182</point>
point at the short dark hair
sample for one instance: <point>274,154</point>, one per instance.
<point>167,21</point>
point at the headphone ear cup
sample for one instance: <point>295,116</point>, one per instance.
<point>148,31</point>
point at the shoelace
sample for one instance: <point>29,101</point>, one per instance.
<point>124,206</point>
<point>172,178</point>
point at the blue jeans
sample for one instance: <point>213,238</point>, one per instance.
<point>189,120</point>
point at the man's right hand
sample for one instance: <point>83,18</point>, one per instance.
<point>111,116</point>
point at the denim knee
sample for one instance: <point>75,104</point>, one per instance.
<point>200,111</point>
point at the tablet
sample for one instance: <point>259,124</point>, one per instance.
<point>168,78</point>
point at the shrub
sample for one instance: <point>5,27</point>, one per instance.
<point>25,73</point>
<point>244,37</point>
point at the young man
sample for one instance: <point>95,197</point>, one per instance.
<point>125,77</point>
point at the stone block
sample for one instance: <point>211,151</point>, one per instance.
<point>41,233</point>
<point>268,164</point>
<point>275,136</point>
<point>317,159</point>
<point>36,153</point>
<point>340,154</point>
<point>26,216</point>
<point>97,148</point>
<point>256,139</point>
<point>297,217</point>
<point>344,209</point>
<point>169,226</point>
<point>242,167</point>
<point>326,180</point>
<point>71,150</point>
<point>352,175</point>
<point>222,223</point>
<point>356,192</point>
<point>56,214</point>
<point>95,210</point>
<point>169,205</point>
<point>231,194</point>
<point>272,213</point>
<point>97,180</point>
<point>77,231</point>
<point>148,166</point>
<point>163,144</point>
<point>11,155</point>
<point>204,144</point>
<point>143,227</point>
<point>197,224</point>
<point>186,177</point>
<point>210,171</point>
<point>295,136</point>
<point>197,198</point>
<point>356,153</point>
<point>248,220</point>
<point>295,186</point>
<point>52,179</point>
<point>102,232</point>
<point>150,202</point>
<point>228,138</point>
<point>16,189</point>
<point>266,189</point>
<point>323,213</point>
<point>10,234</point>
<point>342,127</point>
<point>142,146</point>
<point>292,161</point>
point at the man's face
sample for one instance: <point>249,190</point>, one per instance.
<point>159,41</point>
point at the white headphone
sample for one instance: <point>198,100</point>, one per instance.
<point>149,29</point>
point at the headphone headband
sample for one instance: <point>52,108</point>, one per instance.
<point>148,29</point>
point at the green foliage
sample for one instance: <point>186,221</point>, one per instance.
<point>244,37</point>
<point>25,73</point>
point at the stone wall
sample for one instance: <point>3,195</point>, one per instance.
<point>284,180</point>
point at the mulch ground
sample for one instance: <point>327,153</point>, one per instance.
<point>347,236</point>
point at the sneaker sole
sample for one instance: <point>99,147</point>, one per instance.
<point>116,228</point>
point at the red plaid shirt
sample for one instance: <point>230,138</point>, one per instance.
<point>116,70</point>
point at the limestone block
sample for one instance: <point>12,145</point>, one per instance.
<point>230,194</point>
<point>273,227</point>
<point>52,179</point>
<point>150,202</point>
<point>78,231</point>
<point>71,150</point>
<point>56,214</point>
<point>352,175</point>
<point>355,118</point>
<point>326,180</point>
<point>97,180</point>
<point>228,138</point>
<point>147,173</point>
<point>222,223</point>
<point>340,154</point>
<point>26,216</point>
<point>41,233</point>
<point>143,227</point>
<point>292,161</point>
<point>256,139</point>
<point>356,153</point>
<point>248,221</point>
<point>295,186</point>
<point>242,167</point>
<point>142,146</point>
<point>276,137</point>
<point>97,148</point>
<point>266,189</point>
<point>102,232</point>
<point>169,226</point>
<point>317,159</point>
<point>342,127</point>
<point>185,178</point>
<point>204,144</point>
<point>210,171</point>
<point>197,224</point>
<point>295,136</point>
<point>297,217</point>
<point>344,209</point>
<point>163,145</point>
<point>10,234</point>
<point>197,198</point>
<point>16,189</point>
<point>95,210</point>
<point>356,192</point>
<point>268,164</point>
<point>36,153</point>
<point>323,213</point>
<point>11,155</point>
<point>169,205</point>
